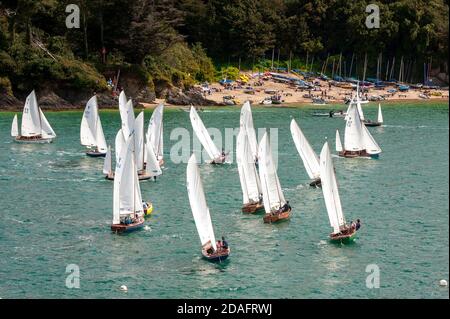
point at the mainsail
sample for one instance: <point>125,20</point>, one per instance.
<point>330,190</point>
<point>155,131</point>
<point>31,118</point>
<point>250,184</point>
<point>199,208</point>
<point>126,115</point>
<point>107,164</point>
<point>272,194</point>
<point>202,134</point>
<point>246,121</point>
<point>309,157</point>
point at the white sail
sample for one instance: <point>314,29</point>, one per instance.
<point>126,115</point>
<point>360,111</point>
<point>338,142</point>
<point>202,134</point>
<point>119,143</point>
<point>31,119</point>
<point>353,130</point>
<point>330,190</point>
<point>199,207</point>
<point>139,140</point>
<point>368,142</point>
<point>127,193</point>
<point>107,164</point>
<point>246,121</point>
<point>309,157</point>
<point>250,184</point>
<point>152,167</point>
<point>14,127</point>
<point>47,130</point>
<point>88,129</point>
<point>380,115</point>
<point>155,131</point>
<point>272,194</point>
<point>100,138</point>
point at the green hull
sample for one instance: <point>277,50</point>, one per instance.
<point>346,240</point>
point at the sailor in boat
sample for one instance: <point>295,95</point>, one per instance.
<point>285,208</point>
<point>224,243</point>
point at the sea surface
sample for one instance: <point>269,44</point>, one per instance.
<point>56,210</point>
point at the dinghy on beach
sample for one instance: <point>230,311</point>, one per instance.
<point>307,154</point>
<point>202,134</point>
<point>275,205</point>
<point>200,212</point>
<point>35,128</point>
<point>248,175</point>
<point>342,232</point>
<point>91,131</point>
<point>128,212</point>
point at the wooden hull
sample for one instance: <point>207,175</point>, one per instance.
<point>316,183</point>
<point>121,228</point>
<point>218,256</point>
<point>253,208</point>
<point>95,154</point>
<point>343,239</point>
<point>219,161</point>
<point>276,217</point>
<point>349,154</point>
<point>32,140</point>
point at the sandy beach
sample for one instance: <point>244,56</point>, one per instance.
<point>290,95</point>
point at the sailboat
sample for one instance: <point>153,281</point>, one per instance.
<point>128,212</point>
<point>358,140</point>
<point>248,175</point>
<point>246,123</point>
<point>342,232</point>
<point>201,214</point>
<point>155,133</point>
<point>275,205</point>
<point>35,128</point>
<point>91,131</point>
<point>379,121</point>
<point>126,115</point>
<point>151,167</point>
<point>202,134</point>
<point>309,157</point>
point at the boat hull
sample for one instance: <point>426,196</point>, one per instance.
<point>216,257</point>
<point>316,183</point>
<point>148,211</point>
<point>277,217</point>
<point>253,208</point>
<point>343,239</point>
<point>372,124</point>
<point>364,154</point>
<point>110,177</point>
<point>95,154</point>
<point>37,140</point>
<point>121,228</point>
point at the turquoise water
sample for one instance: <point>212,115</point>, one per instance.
<point>56,210</point>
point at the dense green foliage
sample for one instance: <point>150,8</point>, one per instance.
<point>174,42</point>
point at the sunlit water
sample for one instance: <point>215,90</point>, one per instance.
<point>56,209</point>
